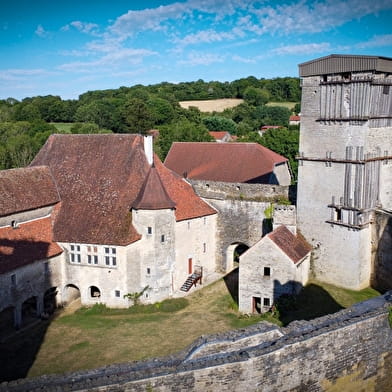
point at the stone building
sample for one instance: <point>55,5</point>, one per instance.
<point>278,264</point>
<point>228,162</point>
<point>99,217</point>
<point>30,260</point>
<point>345,159</point>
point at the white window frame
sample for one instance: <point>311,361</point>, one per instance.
<point>110,255</point>
<point>75,254</point>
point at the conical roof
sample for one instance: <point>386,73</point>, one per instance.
<point>153,195</point>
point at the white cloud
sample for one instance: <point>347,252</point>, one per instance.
<point>83,27</point>
<point>121,57</point>
<point>21,74</point>
<point>40,31</point>
<point>196,58</point>
<point>303,49</point>
<point>376,41</point>
<point>205,36</point>
<point>244,60</point>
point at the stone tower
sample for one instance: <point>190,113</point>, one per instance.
<point>345,159</point>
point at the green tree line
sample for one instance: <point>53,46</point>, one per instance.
<point>26,124</point>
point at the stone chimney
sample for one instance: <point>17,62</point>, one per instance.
<point>285,215</point>
<point>148,150</point>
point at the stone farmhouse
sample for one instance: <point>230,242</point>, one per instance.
<point>228,162</point>
<point>96,227</point>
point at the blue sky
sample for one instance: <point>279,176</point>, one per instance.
<point>69,47</point>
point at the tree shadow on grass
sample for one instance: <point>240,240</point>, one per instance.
<point>311,302</point>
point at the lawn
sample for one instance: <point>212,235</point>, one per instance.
<point>288,105</point>
<point>93,337</point>
<point>63,127</point>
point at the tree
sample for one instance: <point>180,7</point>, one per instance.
<point>272,115</point>
<point>218,123</point>
<point>256,96</point>
<point>137,118</point>
<point>180,131</point>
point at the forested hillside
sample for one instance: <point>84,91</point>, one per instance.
<point>26,124</point>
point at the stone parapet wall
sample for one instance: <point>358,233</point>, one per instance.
<point>241,191</point>
<point>350,348</point>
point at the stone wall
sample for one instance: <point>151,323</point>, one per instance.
<point>381,250</point>
<point>241,217</point>
<point>347,351</point>
<point>239,191</point>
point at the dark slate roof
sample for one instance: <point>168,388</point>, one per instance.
<point>228,162</point>
<point>295,247</point>
<point>98,177</point>
<point>26,189</point>
<point>31,241</point>
<point>153,195</point>
<point>339,63</point>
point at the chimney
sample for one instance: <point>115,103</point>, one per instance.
<point>148,148</point>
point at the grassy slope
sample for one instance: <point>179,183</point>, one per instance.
<point>92,338</point>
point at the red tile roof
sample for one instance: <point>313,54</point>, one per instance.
<point>31,241</point>
<point>188,204</point>
<point>153,195</point>
<point>26,189</point>
<point>98,177</point>
<point>218,135</point>
<point>229,162</point>
<point>295,247</point>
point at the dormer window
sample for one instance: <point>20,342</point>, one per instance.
<point>14,224</point>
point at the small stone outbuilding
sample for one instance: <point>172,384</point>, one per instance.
<point>278,264</point>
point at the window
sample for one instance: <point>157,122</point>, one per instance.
<point>117,293</point>
<point>148,271</point>
<point>110,256</point>
<point>267,271</point>
<point>204,247</point>
<point>189,225</point>
<point>74,254</point>
<point>205,220</point>
<point>92,254</point>
<point>163,238</point>
<point>14,224</point>
<point>149,230</point>
<point>266,302</point>
<point>385,89</point>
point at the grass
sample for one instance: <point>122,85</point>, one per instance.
<point>286,104</point>
<point>93,337</point>
<point>63,127</point>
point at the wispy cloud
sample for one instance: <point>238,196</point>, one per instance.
<point>244,60</point>
<point>83,27</point>
<point>303,49</point>
<point>205,36</point>
<point>197,58</point>
<point>376,41</point>
<point>121,57</point>
<point>21,74</point>
<point>41,32</point>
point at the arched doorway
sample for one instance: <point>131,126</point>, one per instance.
<point>94,292</point>
<point>29,310</point>
<point>7,321</point>
<point>233,253</point>
<point>71,294</point>
<point>50,300</point>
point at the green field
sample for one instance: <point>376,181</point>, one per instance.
<point>92,337</point>
<point>288,105</point>
<point>63,127</point>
